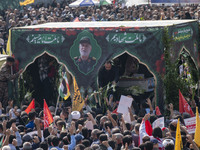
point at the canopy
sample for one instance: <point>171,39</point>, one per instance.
<point>93,24</point>
<point>84,3</point>
<point>130,3</point>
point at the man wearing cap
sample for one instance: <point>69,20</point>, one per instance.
<point>84,62</point>
<point>5,76</point>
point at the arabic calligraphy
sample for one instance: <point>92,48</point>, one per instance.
<point>45,38</point>
<point>126,38</point>
<point>182,34</point>
<point>183,37</point>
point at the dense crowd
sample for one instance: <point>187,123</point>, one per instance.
<point>92,128</point>
<point>61,12</point>
<point>96,126</point>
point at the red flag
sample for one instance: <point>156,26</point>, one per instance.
<point>114,1</point>
<point>184,106</point>
<point>158,111</point>
<point>30,106</point>
<point>48,118</point>
<point>115,111</point>
<point>76,20</point>
<point>148,128</point>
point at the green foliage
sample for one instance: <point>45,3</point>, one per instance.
<point>172,81</point>
<point>25,86</point>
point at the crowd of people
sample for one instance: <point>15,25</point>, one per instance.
<point>98,127</point>
<point>93,128</point>
<point>61,12</point>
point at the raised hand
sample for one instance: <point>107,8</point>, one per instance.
<point>146,117</point>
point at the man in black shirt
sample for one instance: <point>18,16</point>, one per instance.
<point>108,73</point>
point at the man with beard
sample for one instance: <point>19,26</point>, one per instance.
<point>84,62</point>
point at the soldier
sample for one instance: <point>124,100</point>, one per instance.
<point>84,62</point>
<point>5,76</point>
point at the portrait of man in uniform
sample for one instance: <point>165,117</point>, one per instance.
<point>85,62</point>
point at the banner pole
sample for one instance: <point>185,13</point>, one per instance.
<point>57,104</point>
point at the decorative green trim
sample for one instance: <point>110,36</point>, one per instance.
<point>50,54</point>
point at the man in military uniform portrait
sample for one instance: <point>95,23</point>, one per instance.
<point>5,76</point>
<point>84,62</point>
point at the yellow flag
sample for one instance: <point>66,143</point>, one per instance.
<point>178,143</point>
<point>8,48</point>
<point>78,101</point>
<point>26,2</point>
<point>197,131</point>
<point>3,52</point>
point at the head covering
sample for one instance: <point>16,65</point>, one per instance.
<point>85,39</point>
<point>75,115</point>
<point>79,137</point>
<point>82,16</point>
<point>167,141</point>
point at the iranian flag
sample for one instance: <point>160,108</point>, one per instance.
<point>64,90</point>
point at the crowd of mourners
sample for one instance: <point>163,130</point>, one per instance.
<point>99,127</point>
<point>93,128</point>
<point>61,12</point>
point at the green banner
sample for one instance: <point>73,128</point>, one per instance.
<point>45,38</point>
<point>185,37</point>
<point>126,38</point>
<point>85,51</point>
<point>182,34</point>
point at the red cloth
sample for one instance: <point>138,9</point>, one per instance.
<point>184,106</point>
<point>145,128</point>
<point>30,106</point>
<point>158,113</point>
<point>52,72</point>
<point>48,118</point>
<point>76,20</point>
<point>148,127</point>
<point>115,111</point>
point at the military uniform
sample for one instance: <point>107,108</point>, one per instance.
<point>5,76</point>
<point>87,65</point>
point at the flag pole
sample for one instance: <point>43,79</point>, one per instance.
<point>57,104</point>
